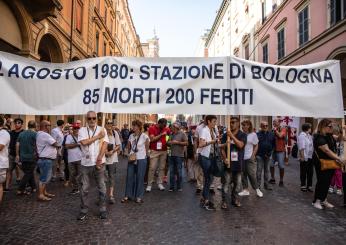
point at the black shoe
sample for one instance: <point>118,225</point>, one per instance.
<point>212,191</point>
<point>281,184</point>
<point>198,191</point>
<point>7,190</point>
<point>74,192</point>
<point>53,179</point>
<point>310,189</point>
<point>62,179</point>
<point>209,206</point>
<point>81,216</point>
<point>272,181</point>
<point>303,189</point>
<point>103,215</point>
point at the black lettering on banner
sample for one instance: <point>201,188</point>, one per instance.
<point>40,76</point>
<point>278,80</point>
<point>235,96</point>
<point>227,94</point>
<point>124,71</point>
<point>190,96</point>
<point>150,91</point>
<point>138,93</point>
<point>271,74</point>
<point>26,73</point>
<point>104,70</point>
<point>207,72</point>
<point>91,96</point>
<point>165,74</point>
<point>79,76</point>
<point>145,74</point>
<point>203,95</point>
<point>111,98</point>
<point>87,96</point>
<point>1,74</point>
<point>243,94</point>
<point>114,71</point>
<point>303,78</point>
<point>96,68</point>
<point>328,76</point>
<point>215,94</point>
<point>234,73</point>
<point>56,74</point>
<point>13,71</point>
<point>291,78</point>
<point>251,96</point>
<point>198,72</point>
<point>256,72</point>
<point>122,94</point>
<point>177,72</point>
<point>316,75</point>
<point>155,71</point>
<point>67,73</point>
<point>179,96</point>
<point>218,69</point>
<point>170,97</point>
<point>157,95</point>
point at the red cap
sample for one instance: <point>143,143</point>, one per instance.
<point>76,126</point>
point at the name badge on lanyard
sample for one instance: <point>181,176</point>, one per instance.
<point>234,156</point>
<point>159,145</point>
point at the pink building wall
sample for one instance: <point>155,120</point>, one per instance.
<point>318,24</point>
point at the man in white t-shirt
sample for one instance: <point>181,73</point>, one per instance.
<point>47,153</point>
<point>74,153</point>
<point>58,135</point>
<point>94,142</point>
<point>4,161</point>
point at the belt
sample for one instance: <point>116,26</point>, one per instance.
<point>46,158</point>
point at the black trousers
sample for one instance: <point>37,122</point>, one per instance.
<point>29,177</point>
<point>323,181</point>
<point>306,173</point>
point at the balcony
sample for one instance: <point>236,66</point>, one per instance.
<point>41,9</point>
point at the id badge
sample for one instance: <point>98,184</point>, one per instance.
<point>234,156</point>
<point>87,156</point>
<point>159,145</point>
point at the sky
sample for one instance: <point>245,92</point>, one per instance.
<point>178,23</point>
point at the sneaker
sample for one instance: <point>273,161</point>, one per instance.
<point>209,206</point>
<point>219,188</point>
<point>171,189</point>
<point>303,189</point>
<point>281,184</point>
<point>244,193</point>
<point>103,215</point>
<point>81,216</point>
<point>74,192</point>
<point>339,192</point>
<point>111,200</point>
<point>331,190</point>
<point>327,204</point>
<point>148,189</point>
<point>161,187</point>
<point>180,189</point>
<point>272,181</point>
<point>259,193</point>
<point>318,205</point>
<point>198,191</point>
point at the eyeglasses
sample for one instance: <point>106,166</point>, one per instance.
<point>109,123</point>
<point>234,122</point>
<point>18,123</point>
<point>91,118</point>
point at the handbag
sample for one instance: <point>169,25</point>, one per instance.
<point>132,158</point>
<point>217,165</point>
<point>328,163</point>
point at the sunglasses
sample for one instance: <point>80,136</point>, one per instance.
<point>109,123</point>
<point>234,122</point>
<point>91,118</point>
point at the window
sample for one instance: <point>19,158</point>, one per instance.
<point>281,43</point>
<point>97,40</point>
<point>264,16</point>
<point>265,53</point>
<point>104,49</point>
<point>79,16</point>
<point>303,20</point>
<point>247,52</point>
<point>337,11</point>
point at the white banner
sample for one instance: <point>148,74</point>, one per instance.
<point>220,86</point>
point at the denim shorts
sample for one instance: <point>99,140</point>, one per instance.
<point>279,157</point>
<point>45,166</point>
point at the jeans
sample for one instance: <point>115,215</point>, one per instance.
<point>74,172</point>
<point>250,171</point>
<point>99,174</point>
<point>135,179</point>
<point>29,177</point>
<point>175,169</point>
<point>323,181</point>
<point>306,173</point>
<point>157,161</point>
<point>279,156</point>
<point>206,167</point>
<point>262,166</point>
<point>110,174</point>
<point>231,177</point>
<point>45,165</point>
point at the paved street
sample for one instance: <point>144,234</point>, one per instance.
<point>283,216</point>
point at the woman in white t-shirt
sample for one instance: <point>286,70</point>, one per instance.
<point>138,145</point>
<point>250,168</point>
<point>206,144</point>
<point>111,159</point>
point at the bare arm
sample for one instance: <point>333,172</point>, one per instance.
<point>1,147</point>
<point>255,149</point>
<point>71,146</point>
<point>329,152</point>
<point>87,142</point>
<point>102,153</point>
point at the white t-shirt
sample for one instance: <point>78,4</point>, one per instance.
<point>44,142</point>
<point>5,141</point>
<point>205,135</point>
<point>90,152</point>
<point>141,151</point>
<point>199,132</point>
<point>115,140</point>
<point>305,143</point>
<point>57,135</point>
<point>252,140</point>
<point>74,154</point>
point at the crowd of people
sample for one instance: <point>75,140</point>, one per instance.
<point>226,158</point>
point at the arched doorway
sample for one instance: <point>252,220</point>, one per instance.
<point>49,49</point>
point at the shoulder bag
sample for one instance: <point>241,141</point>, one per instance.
<point>328,163</point>
<point>132,158</point>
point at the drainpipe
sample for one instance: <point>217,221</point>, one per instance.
<point>71,34</point>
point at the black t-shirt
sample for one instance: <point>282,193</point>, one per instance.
<point>237,165</point>
<point>14,136</point>
<point>320,140</point>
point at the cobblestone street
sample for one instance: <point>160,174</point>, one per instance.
<point>283,216</point>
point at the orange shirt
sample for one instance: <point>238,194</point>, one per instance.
<point>280,142</point>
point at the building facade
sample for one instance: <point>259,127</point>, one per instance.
<point>60,31</point>
<point>301,32</point>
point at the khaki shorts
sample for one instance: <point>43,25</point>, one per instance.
<point>3,172</point>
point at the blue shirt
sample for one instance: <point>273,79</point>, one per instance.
<point>266,143</point>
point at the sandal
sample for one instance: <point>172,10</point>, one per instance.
<point>125,200</point>
<point>224,206</point>
<point>44,199</point>
<point>140,201</point>
<point>49,195</point>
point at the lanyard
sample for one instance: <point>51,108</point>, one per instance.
<point>93,132</point>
